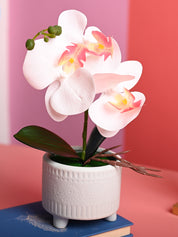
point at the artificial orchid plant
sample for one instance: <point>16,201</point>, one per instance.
<point>75,63</point>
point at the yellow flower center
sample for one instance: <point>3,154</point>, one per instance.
<point>124,101</point>
<point>71,60</point>
<point>100,46</point>
<point>119,101</point>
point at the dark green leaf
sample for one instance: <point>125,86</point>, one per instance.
<point>94,142</point>
<point>42,139</point>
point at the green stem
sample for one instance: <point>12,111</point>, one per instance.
<point>84,135</point>
<point>39,33</point>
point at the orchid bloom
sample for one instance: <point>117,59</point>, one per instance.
<point>74,66</point>
<point>117,107</point>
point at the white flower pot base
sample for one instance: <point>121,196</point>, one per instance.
<point>60,222</point>
<point>113,217</point>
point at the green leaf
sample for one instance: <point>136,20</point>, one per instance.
<point>42,139</point>
<point>94,142</point>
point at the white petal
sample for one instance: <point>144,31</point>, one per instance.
<point>139,96</point>
<point>106,133</point>
<point>103,115</point>
<point>73,24</point>
<point>96,64</point>
<point>106,81</point>
<point>133,68</point>
<point>50,91</point>
<point>75,94</point>
<point>88,34</point>
<point>40,66</point>
<point>109,119</point>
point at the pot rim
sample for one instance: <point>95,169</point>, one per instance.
<point>58,165</point>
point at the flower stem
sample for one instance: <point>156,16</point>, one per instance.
<point>84,135</point>
<point>39,33</point>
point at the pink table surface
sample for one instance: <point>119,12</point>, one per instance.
<point>145,201</point>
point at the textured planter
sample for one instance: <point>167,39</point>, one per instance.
<point>80,193</point>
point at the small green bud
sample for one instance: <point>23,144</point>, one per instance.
<point>51,35</point>
<point>30,44</point>
<point>46,39</point>
<point>58,29</point>
<point>51,30</point>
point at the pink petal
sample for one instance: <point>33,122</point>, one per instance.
<point>101,38</point>
<point>75,93</point>
<point>133,68</point>
<point>103,45</point>
<point>97,64</point>
<point>73,24</point>
<point>50,91</point>
<point>106,81</point>
<point>108,119</point>
<point>40,66</point>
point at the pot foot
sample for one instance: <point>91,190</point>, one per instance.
<point>113,217</point>
<point>59,222</point>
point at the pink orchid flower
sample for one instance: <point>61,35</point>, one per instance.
<point>74,66</point>
<point>117,107</point>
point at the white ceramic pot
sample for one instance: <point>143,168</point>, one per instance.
<point>80,193</point>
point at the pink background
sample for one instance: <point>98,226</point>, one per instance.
<point>26,19</point>
<point>149,30</point>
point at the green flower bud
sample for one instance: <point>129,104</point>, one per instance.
<point>58,29</point>
<point>46,39</point>
<point>51,30</point>
<point>51,35</point>
<point>30,44</point>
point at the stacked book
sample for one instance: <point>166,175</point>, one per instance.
<point>32,220</point>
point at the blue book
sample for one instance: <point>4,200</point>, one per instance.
<point>32,220</point>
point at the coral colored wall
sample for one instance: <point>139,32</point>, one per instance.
<point>26,19</point>
<point>153,40</point>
